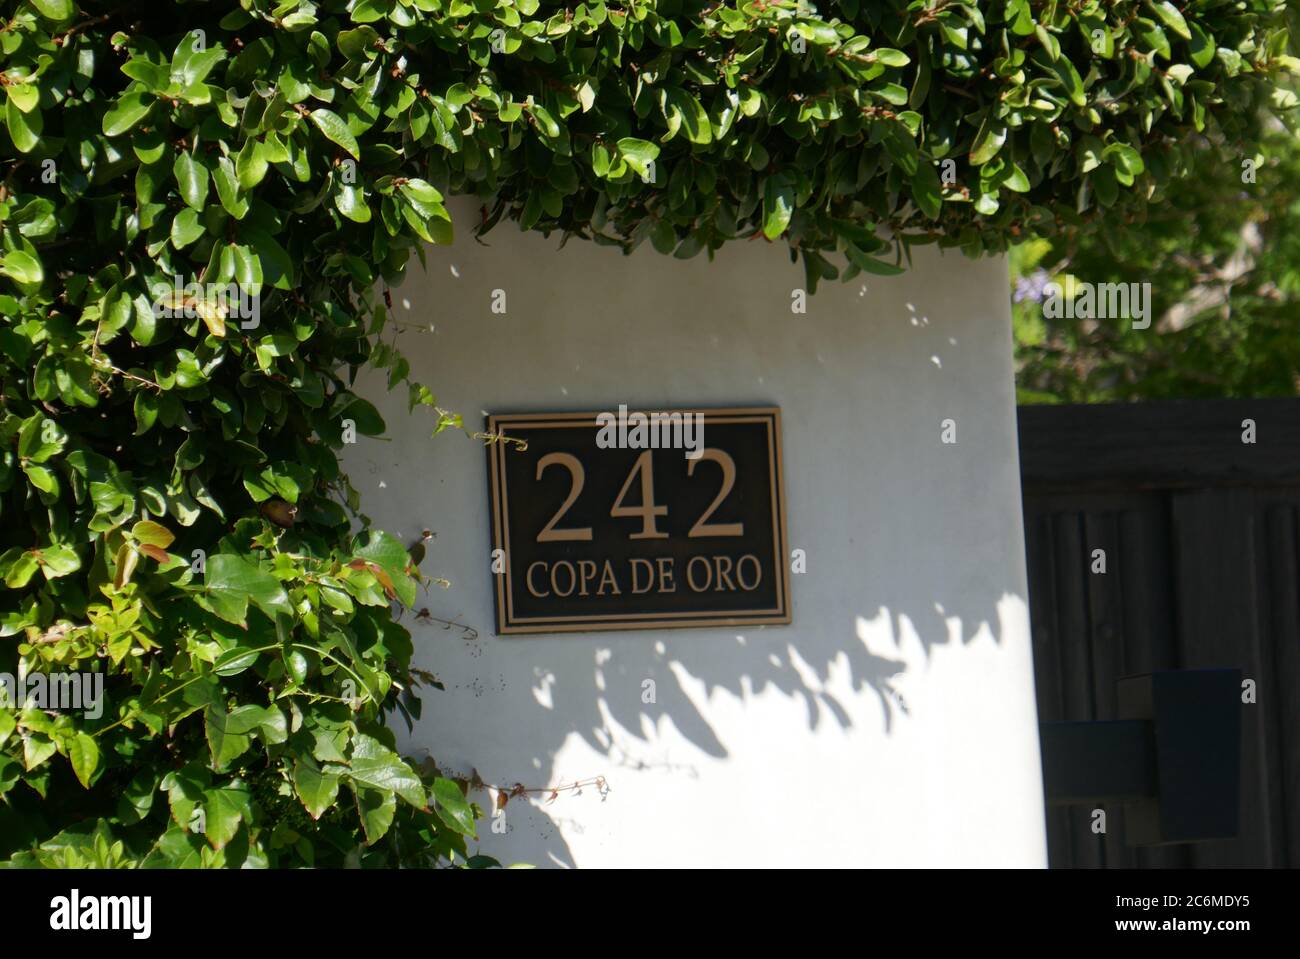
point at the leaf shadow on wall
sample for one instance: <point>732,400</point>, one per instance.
<point>597,688</point>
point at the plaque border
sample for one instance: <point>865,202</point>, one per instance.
<point>498,501</point>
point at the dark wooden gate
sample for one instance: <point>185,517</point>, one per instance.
<point>1201,538</point>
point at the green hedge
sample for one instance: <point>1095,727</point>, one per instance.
<point>302,151</point>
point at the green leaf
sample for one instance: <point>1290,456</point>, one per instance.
<point>273,345</point>
<point>1125,158</point>
<point>24,128</point>
<point>225,745</point>
<point>375,765</point>
<point>426,199</point>
<point>890,57</point>
<point>191,179</point>
<point>316,789</point>
<point>21,571</point>
<point>363,413</point>
<point>1071,80</point>
<point>1051,45</point>
<point>227,184</point>
<point>223,811</point>
<point>639,154</point>
<point>136,800</point>
<point>545,122</point>
<point>1090,150</point>
<point>988,141</point>
<point>369,11</point>
<point>358,44</point>
<point>234,661</point>
<point>683,111</point>
<point>251,164</point>
<point>180,849</point>
<point>273,727</point>
<point>1173,19</point>
<point>39,439</point>
<point>25,96</point>
<point>333,127</point>
<point>194,67</point>
<point>376,808</point>
<point>1201,45</point>
<point>232,582</point>
<point>22,267</point>
<point>1104,184</point>
<point>186,228</point>
<point>84,756</point>
<point>37,749</point>
<point>57,561</point>
<point>453,809</point>
<point>127,113</point>
<point>184,788</point>
<point>1152,36</point>
<point>43,478</point>
<point>391,557</point>
<point>277,266</point>
<point>870,264</point>
<point>1015,179</point>
<point>927,191</point>
<point>57,10</point>
<point>245,719</point>
<point>248,270</point>
<point>778,204</point>
<point>350,200</point>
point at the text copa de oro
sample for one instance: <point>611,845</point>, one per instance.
<point>718,573</point>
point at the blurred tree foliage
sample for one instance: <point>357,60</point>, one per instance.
<point>1223,261</point>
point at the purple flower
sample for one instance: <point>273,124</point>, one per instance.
<point>1031,287</point>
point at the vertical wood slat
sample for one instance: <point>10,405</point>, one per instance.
<point>1214,557</point>
<point>1149,637</point>
<point>1087,848</point>
<point>1105,631</point>
<point>1047,669</point>
<point>1278,689</point>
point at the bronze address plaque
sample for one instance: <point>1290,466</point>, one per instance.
<point>638,520</point>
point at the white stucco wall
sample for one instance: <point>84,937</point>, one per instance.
<point>893,724</point>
